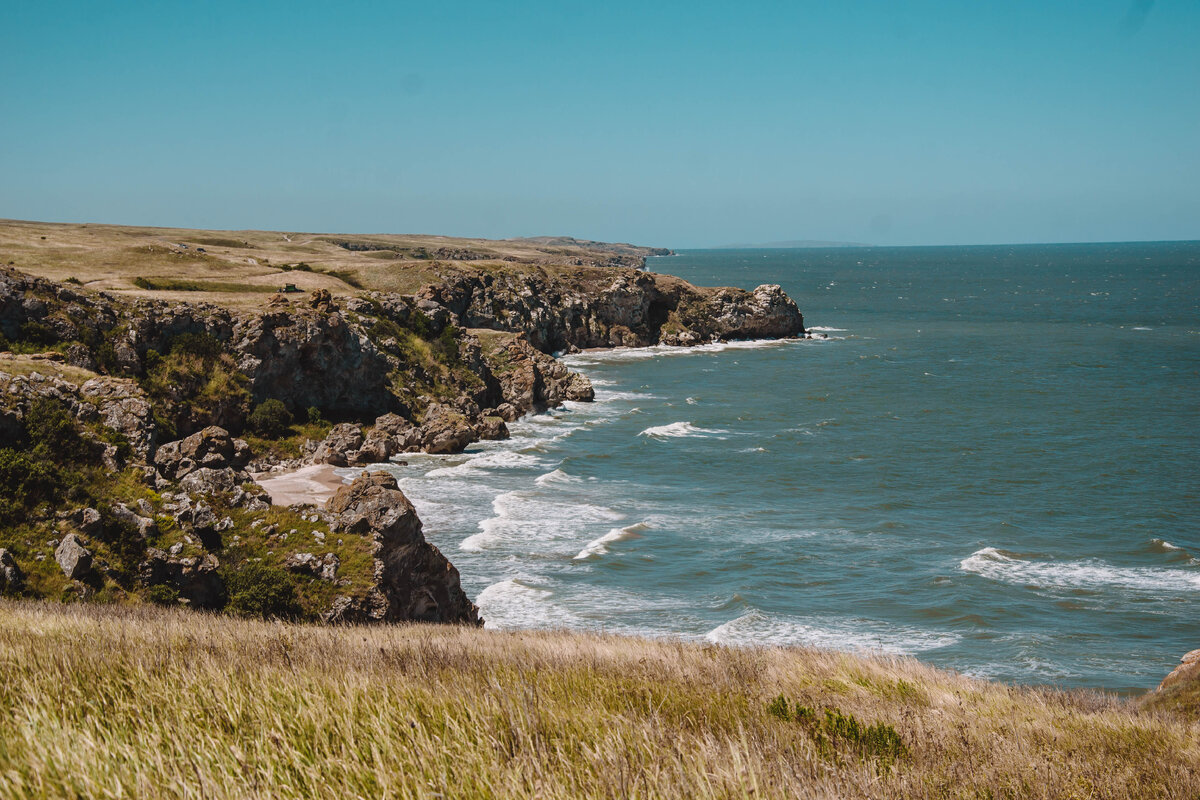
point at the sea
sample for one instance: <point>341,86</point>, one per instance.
<point>986,459</point>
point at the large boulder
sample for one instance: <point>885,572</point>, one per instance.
<point>198,580</point>
<point>211,448</point>
<point>74,559</point>
<point>124,408</point>
<point>11,577</point>
<point>412,579</point>
<point>342,440</point>
<point>446,430</point>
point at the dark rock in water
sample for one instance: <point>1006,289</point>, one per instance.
<point>197,580</point>
<point>74,559</point>
<point>446,430</point>
<point>11,577</point>
<point>412,579</point>
<point>491,428</point>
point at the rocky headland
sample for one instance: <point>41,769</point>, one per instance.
<point>133,426</point>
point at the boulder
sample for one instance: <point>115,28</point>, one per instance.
<point>412,580</point>
<point>145,526</point>
<point>212,447</point>
<point>313,566</point>
<point>446,430</point>
<point>491,428</point>
<point>343,439</point>
<point>74,559</point>
<point>197,580</point>
<point>11,577</point>
<point>208,481</point>
<point>123,407</point>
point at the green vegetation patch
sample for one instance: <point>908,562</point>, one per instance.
<point>178,285</point>
<point>835,733</point>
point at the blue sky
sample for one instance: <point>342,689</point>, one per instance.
<point>675,124</point>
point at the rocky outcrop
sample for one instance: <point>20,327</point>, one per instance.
<point>74,559</point>
<point>196,579</point>
<point>413,581</point>
<point>608,307</point>
<point>211,448</point>
<point>11,577</point>
<point>122,406</point>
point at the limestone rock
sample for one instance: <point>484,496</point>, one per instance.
<point>446,430</point>
<point>212,447</point>
<point>312,565</point>
<point>73,557</point>
<point>412,579</point>
<point>145,526</point>
<point>342,440</point>
<point>11,577</point>
<point>196,579</point>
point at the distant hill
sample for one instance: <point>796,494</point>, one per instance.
<point>793,244</point>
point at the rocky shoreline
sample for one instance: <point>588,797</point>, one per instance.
<point>172,409</point>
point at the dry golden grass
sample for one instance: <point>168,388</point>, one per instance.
<point>144,703</point>
<point>110,257</point>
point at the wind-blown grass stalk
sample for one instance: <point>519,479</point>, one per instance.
<point>146,703</point>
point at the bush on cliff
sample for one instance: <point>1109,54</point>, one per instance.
<point>196,384</point>
<point>270,418</point>
<point>260,590</point>
<point>25,482</point>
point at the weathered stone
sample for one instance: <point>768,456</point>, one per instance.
<point>74,559</point>
<point>145,526</point>
<point>446,431</point>
<point>312,565</point>
<point>412,579</point>
<point>341,440</point>
<point>11,577</point>
<point>197,580</point>
<point>211,448</point>
<point>491,428</point>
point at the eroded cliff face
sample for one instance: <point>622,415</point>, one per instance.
<point>412,580</point>
<point>162,504</point>
<point>591,307</point>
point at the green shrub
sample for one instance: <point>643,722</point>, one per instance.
<point>163,595</point>
<point>314,416</point>
<point>837,730</point>
<point>54,433</point>
<point>270,418</point>
<point>260,590</point>
<point>25,482</point>
<point>36,333</point>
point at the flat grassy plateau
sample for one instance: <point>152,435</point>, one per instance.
<point>145,703</point>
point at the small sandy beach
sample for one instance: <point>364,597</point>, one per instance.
<point>314,485</point>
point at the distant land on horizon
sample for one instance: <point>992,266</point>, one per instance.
<point>791,244</point>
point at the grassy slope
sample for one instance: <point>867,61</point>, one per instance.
<point>146,703</point>
<point>239,265</point>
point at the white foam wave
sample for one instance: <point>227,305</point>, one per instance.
<point>1141,328</point>
<point>555,476</point>
<point>599,547</point>
<point>626,354</point>
<point>1085,574</point>
<point>481,464</point>
<point>524,517</point>
<point>677,430</point>
<point>691,401</point>
<point>515,604</point>
<point>757,628</point>
<point>825,329</point>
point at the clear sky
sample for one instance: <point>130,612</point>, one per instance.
<point>678,124</point>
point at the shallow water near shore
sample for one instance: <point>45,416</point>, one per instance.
<point>990,464</point>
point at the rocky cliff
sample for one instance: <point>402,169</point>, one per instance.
<point>129,424</point>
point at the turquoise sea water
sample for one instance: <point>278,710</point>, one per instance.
<point>990,464</point>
